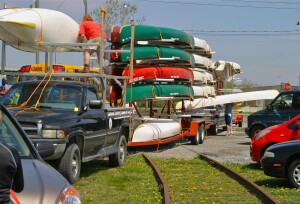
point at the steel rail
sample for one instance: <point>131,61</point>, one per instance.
<point>163,186</point>
<point>248,184</point>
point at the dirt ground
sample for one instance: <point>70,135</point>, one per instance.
<point>220,147</point>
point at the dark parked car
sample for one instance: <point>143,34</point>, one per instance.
<point>282,160</point>
<point>42,183</point>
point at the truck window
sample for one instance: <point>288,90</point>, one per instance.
<point>284,101</point>
<point>90,95</point>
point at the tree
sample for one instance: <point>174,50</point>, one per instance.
<point>118,13</point>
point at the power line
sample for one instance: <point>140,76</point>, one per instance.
<point>219,5</point>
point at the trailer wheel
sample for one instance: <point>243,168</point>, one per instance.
<point>119,158</point>
<point>214,129</point>
<point>199,138</point>
<point>69,164</point>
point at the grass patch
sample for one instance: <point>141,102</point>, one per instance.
<point>131,183</point>
<point>190,181</point>
<point>280,189</point>
<point>195,181</point>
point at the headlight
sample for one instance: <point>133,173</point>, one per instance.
<point>269,154</point>
<point>262,133</point>
<point>50,134</point>
<point>69,196</point>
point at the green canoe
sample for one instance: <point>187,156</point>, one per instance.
<point>157,55</point>
<point>152,34</point>
<point>146,91</point>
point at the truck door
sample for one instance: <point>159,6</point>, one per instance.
<point>95,125</point>
<point>283,108</point>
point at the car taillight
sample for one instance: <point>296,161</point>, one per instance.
<point>25,68</point>
<point>69,196</point>
<point>58,68</point>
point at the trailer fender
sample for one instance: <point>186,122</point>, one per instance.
<point>194,126</point>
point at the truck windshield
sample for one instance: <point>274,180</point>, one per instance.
<point>50,96</point>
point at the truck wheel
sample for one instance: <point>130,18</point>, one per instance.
<point>214,129</point>
<point>240,124</point>
<point>256,129</point>
<point>70,164</point>
<point>119,158</point>
<point>199,138</point>
<point>294,173</point>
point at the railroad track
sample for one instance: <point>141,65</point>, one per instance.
<point>253,188</point>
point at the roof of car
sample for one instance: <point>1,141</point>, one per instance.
<point>83,84</point>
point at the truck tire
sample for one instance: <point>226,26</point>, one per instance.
<point>119,158</point>
<point>294,173</point>
<point>69,165</point>
<point>256,129</point>
<point>240,124</point>
<point>214,129</point>
<point>199,138</point>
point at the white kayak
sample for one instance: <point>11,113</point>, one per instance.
<point>37,26</point>
<point>202,62</point>
<point>204,91</point>
<point>229,98</point>
<point>202,76</point>
<point>156,129</point>
<point>202,44</point>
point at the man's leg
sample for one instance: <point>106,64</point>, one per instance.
<point>87,56</point>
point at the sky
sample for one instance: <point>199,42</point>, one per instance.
<point>262,36</point>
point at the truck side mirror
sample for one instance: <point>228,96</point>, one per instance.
<point>95,104</point>
<point>269,107</point>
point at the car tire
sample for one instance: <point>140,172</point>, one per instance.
<point>294,173</point>
<point>69,164</point>
<point>256,129</point>
<point>199,138</point>
<point>214,129</point>
<point>119,158</point>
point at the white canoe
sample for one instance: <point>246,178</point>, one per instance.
<point>156,129</point>
<point>202,62</point>
<point>204,91</point>
<point>199,76</point>
<point>37,26</point>
<point>229,98</point>
<point>202,76</point>
<point>225,70</point>
<point>202,44</point>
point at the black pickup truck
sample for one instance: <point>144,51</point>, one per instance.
<point>71,116</point>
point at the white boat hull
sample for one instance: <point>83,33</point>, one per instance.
<point>229,98</point>
<point>23,26</point>
<point>156,130</point>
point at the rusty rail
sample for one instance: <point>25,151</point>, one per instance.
<point>163,186</point>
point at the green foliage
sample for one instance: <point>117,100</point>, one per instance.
<point>119,12</point>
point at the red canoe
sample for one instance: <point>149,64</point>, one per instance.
<point>141,73</point>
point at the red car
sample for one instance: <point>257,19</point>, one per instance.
<point>287,131</point>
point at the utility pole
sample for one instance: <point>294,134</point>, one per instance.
<point>85,7</point>
<point>37,4</point>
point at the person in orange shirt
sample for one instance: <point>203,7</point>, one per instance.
<point>90,30</point>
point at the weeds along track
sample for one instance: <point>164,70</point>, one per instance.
<point>171,195</point>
